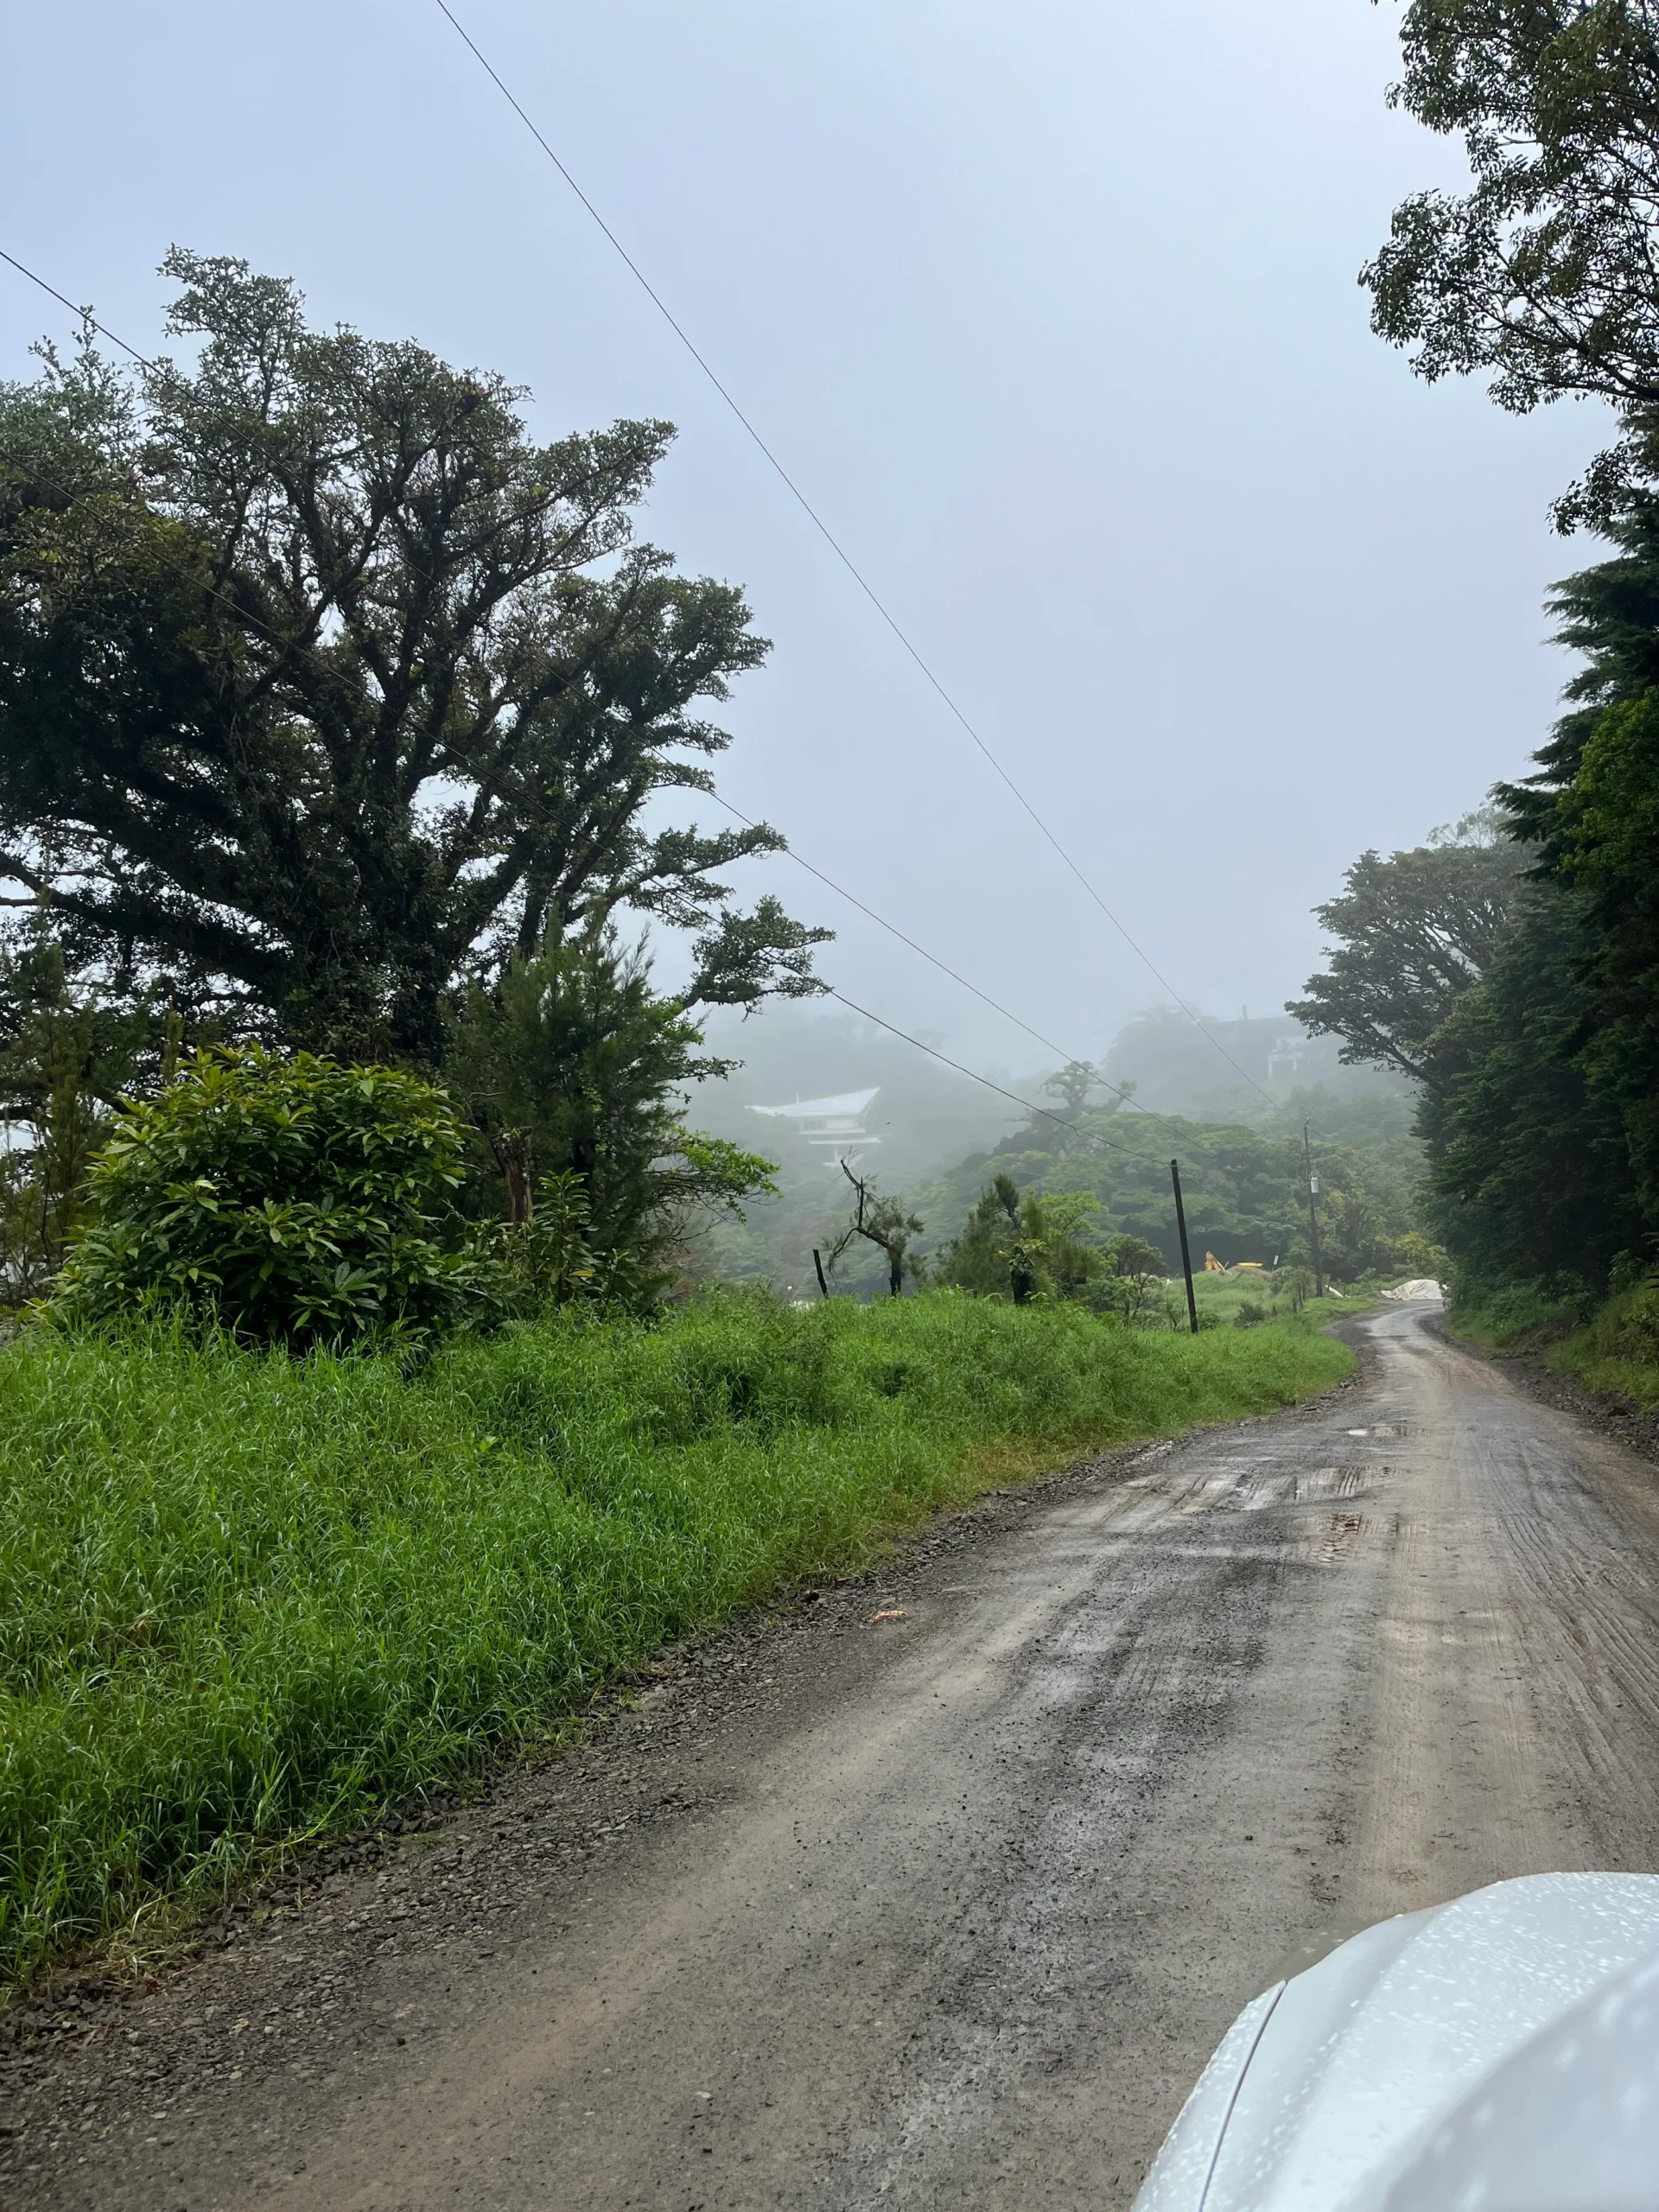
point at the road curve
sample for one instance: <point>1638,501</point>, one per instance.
<point>953,1914</point>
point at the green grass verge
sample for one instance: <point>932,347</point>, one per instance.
<point>245,1600</point>
<point>1616,1350</point>
<point>1612,1346</point>
<point>1521,1318</point>
<point>1222,1298</point>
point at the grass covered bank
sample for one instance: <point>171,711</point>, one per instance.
<point>1612,1346</point>
<point>243,1599</point>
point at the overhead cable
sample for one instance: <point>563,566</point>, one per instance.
<point>893,929</point>
<point>1089,1136</point>
<point>831,540</point>
<point>85,314</point>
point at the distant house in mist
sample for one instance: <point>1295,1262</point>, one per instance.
<point>834,1126</point>
<point>1289,1055</point>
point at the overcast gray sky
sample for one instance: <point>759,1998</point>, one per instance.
<point>1049,309</point>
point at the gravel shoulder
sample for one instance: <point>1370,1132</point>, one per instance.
<point>941,1885</point>
<point>1622,1419</point>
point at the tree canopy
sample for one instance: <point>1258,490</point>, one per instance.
<point>324,688</point>
<point>1529,1177</point>
<point>1542,275</point>
<point>1412,932</point>
<point>1590,817</point>
<point>1245,1191</point>
<point>575,1070</point>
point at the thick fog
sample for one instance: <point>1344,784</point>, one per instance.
<point>1052,312</point>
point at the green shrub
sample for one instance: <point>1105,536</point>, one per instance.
<point>1627,1327</point>
<point>1616,1350</point>
<point>287,1201</point>
<point>1628,1271</point>
<point>530,1266</point>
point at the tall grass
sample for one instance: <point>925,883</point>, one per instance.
<point>1520,1316</point>
<point>1615,1348</point>
<point>243,1599</point>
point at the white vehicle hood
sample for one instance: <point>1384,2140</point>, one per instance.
<point>1331,2088</point>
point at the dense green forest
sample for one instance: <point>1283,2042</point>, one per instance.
<point>1245,1188</point>
<point>938,1142</point>
<point>1512,967</point>
<point>1245,1181</point>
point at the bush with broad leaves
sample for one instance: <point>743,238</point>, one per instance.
<point>290,1201</point>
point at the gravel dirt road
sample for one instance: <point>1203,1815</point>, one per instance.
<point>945,1908</point>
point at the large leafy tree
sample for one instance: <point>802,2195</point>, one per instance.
<point>1609,615</point>
<point>1542,274</point>
<point>1412,933</point>
<point>1483,1000</point>
<point>576,1069</point>
<point>324,688</point>
<point>1541,1118</point>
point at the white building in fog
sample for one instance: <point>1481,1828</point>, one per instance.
<point>834,1126</point>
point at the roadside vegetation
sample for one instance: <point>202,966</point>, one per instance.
<point>338,715</point>
<point>1510,965</point>
<point>1609,1344</point>
<point>1286,1300</point>
<point>1106,1178</point>
<point>247,1598</point>
<point>361,1415</point>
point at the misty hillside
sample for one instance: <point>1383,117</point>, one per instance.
<point>922,1120</point>
<point>923,1114</point>
<point>1176,1068</point>
<point>935,1137</point>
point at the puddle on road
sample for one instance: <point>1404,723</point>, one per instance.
<point>1314,1486</point>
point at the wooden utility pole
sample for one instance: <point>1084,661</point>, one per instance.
<point>1313,1214</point>
<point>1186,1256</point>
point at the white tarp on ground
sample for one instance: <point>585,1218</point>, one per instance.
<point>1418,1287</point>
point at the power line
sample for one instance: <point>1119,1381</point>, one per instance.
<point>893,929</point>
<point>831,540</point>
<point>84,314</point>
<point>1089,1136</point>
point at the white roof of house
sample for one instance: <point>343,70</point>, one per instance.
<point>846,1103</point>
